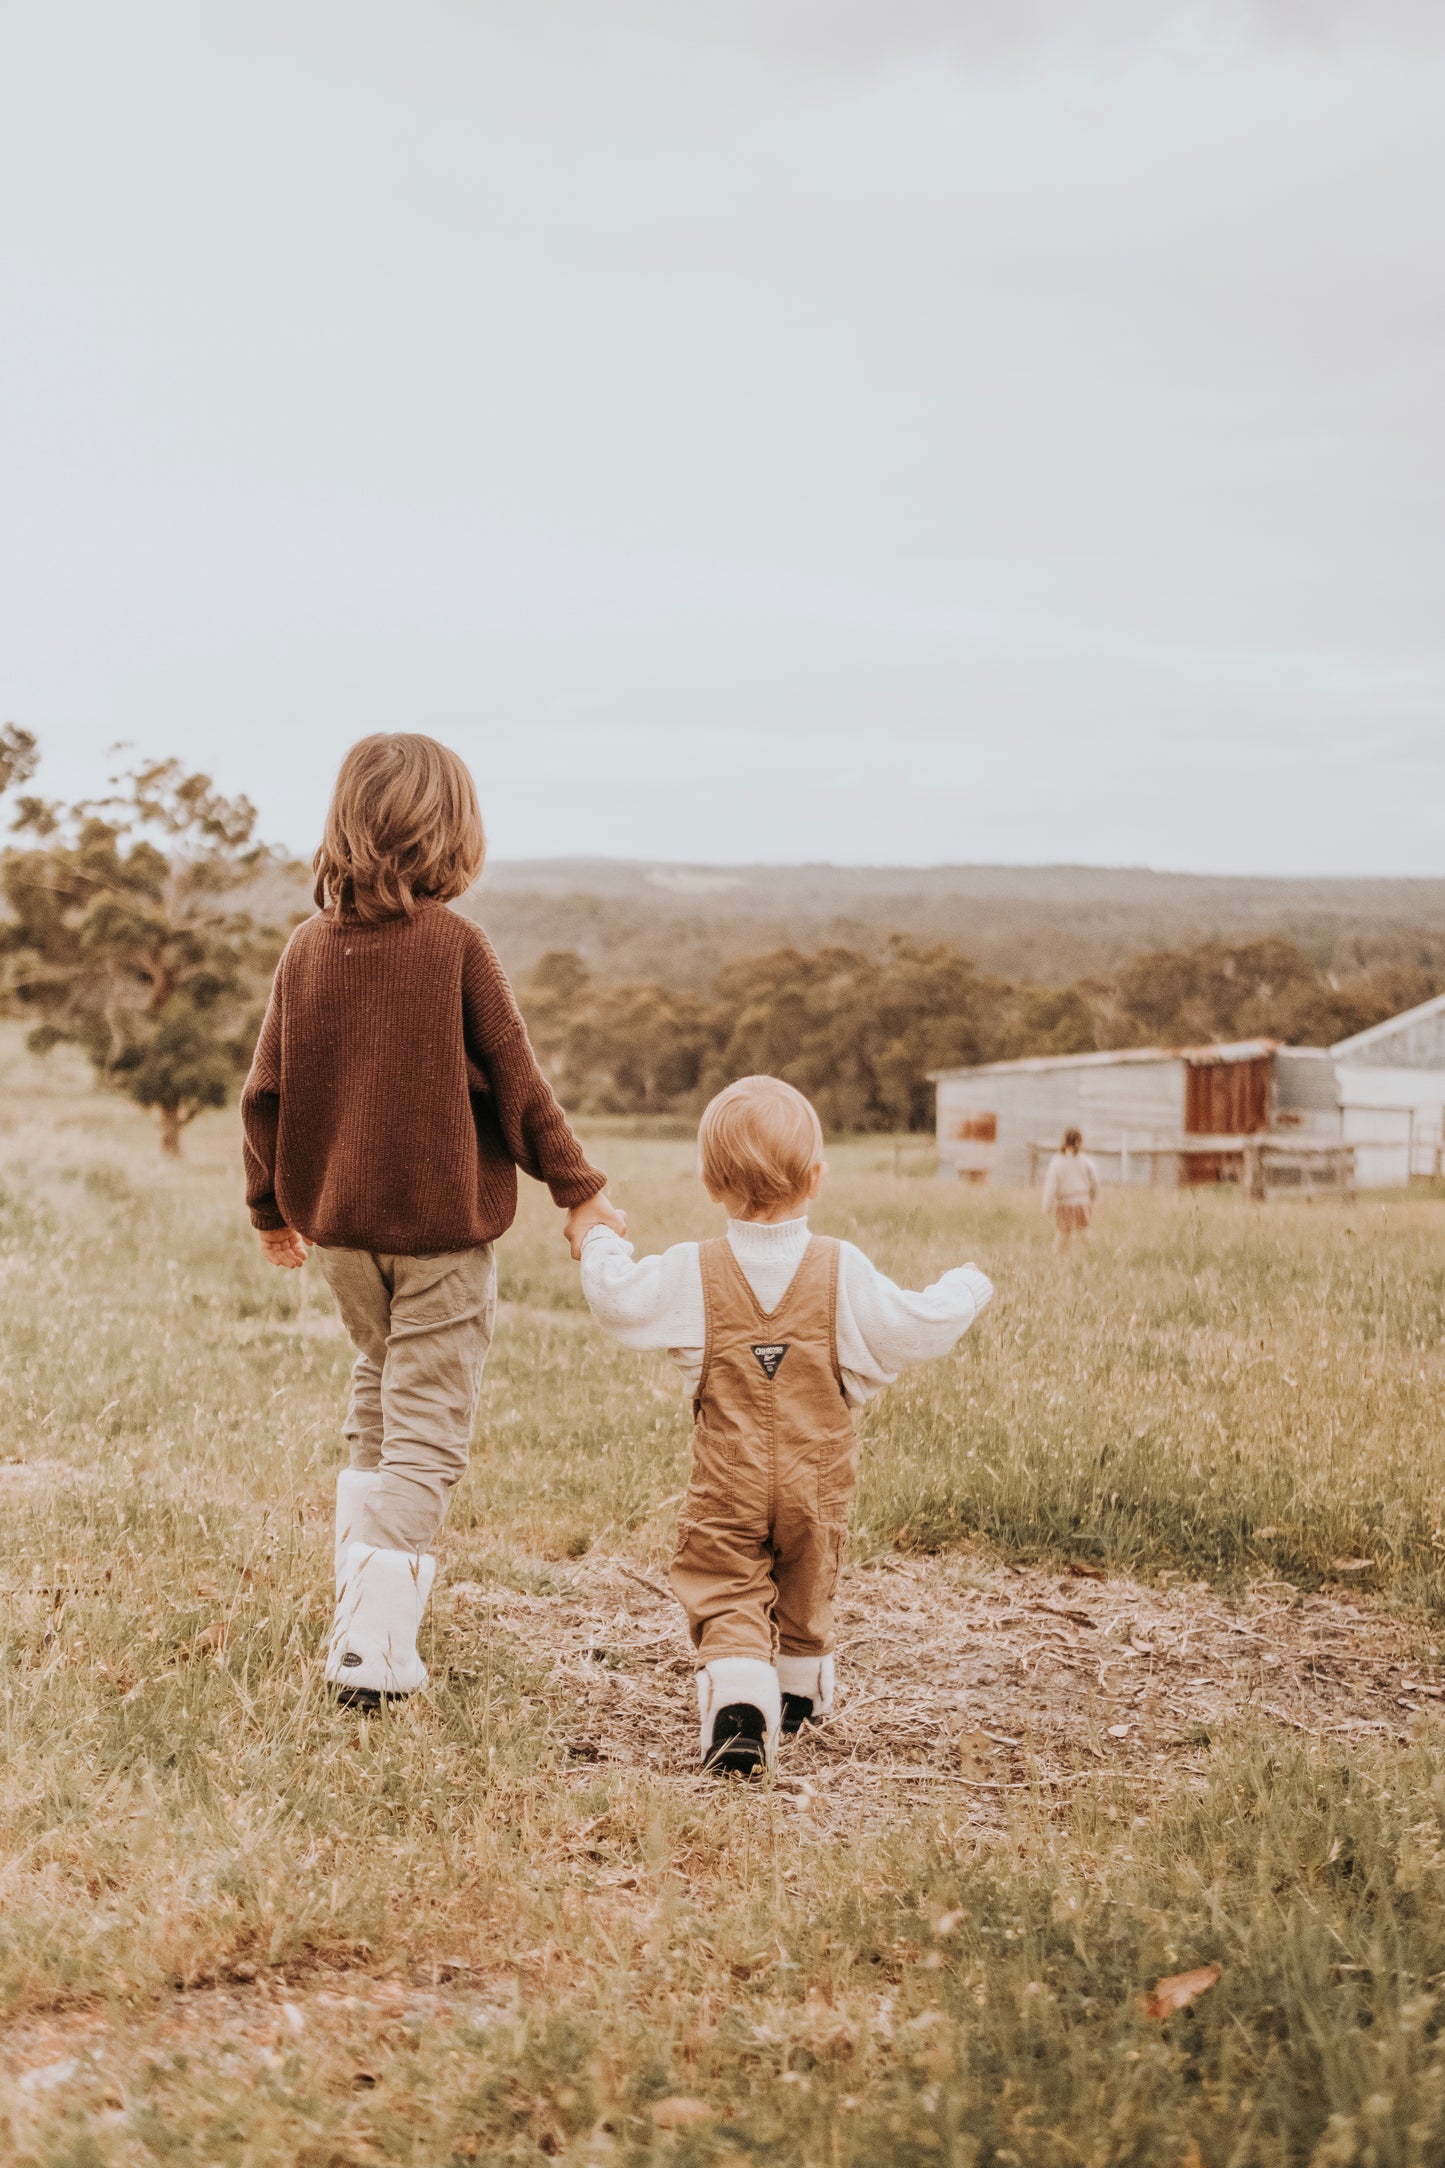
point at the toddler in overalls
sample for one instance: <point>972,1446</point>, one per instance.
<point>779,1334</point>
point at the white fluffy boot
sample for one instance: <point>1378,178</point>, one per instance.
<point>806,1685</point>
<point>373,1652</point>
<point>739,1709</point>
<point>353,1486</point>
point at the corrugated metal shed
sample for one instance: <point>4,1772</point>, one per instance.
<point>1390,1088</point>
<point>1413,1040</point>
<point>991,1119</point>
<point>1381,1091</point>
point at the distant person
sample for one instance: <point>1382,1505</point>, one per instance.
<point>392,1098</point>
<point>779,1334</point>
<point>1070,1187</point>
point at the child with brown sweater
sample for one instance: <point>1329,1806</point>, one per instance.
<point>392,1098</point>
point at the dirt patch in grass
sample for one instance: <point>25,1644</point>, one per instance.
<point>979,1678</point>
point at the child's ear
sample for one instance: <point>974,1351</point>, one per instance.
<point>817,1178</point>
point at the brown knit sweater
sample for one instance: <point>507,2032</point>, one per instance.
<point>394,1092</point>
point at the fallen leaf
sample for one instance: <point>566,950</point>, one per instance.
<point>947,1921</point>
<point>1262,1535</point>
<point>1119,1731</point>
<point>212,1637</point>
<point>680,2113</point>
<point>1352,1565</point>
<point>1082,1572</point>
<point>1178,1991</point>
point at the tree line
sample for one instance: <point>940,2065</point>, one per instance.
<point>143,925</point>
<point>859,1030</point>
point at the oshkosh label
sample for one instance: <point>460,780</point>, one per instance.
<point>770,1356</point>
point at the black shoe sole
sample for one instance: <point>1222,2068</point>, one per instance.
<point>797,1711</point>
<point>366,1698</point>
<point>738,1742</point>
<point>740,1760</point>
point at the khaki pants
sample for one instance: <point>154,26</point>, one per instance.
<point>423,1326</point>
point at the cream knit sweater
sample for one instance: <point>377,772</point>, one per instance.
<point>657,1302</point>
<point>1072,1179</point>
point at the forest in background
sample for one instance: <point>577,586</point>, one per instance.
<point>859,1030</point>
<point>648,987</point>
<point>142,925</point>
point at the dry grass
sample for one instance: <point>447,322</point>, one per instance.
<point>507,1922</point>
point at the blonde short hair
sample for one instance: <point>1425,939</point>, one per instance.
<point>403,824</point>
<point>758,1143</point>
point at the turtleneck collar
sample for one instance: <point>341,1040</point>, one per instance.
<point>768,1238</point>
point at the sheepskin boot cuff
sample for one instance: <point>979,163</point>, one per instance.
<point>810,1678</point>
<point>739,1710</point>
<point>353,1487</point>
<point>373,1652</point>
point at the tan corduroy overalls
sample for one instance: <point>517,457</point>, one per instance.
<point>775,1462</point>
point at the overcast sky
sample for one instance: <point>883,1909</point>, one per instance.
<point>881,431</point>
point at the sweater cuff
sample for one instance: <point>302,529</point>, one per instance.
<point>608,1234</point>
<point>568,1191</point>
<point>266,1219</point>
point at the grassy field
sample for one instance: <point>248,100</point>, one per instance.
<point>509,1922</point>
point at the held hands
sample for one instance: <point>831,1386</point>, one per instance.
<point>598,1211</point>
<point>282,1247</point>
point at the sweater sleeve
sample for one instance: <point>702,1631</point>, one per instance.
<point>534,1128</point>
<point>261,1117</point>
<point>1051,1184</point>
<point>883,1328</point>
<point>649,1302</point>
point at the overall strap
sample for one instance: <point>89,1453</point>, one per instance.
<point>712,1265</point>
<point>825,1255</point>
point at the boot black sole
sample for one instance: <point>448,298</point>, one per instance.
<point>797,1711</point>
<point>366,1698</point>
<point>738,1742</point>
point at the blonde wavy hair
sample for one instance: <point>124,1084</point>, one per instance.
<point>758,1143</point>
<point>403,825</point>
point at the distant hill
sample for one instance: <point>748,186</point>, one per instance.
<point>676,924</point>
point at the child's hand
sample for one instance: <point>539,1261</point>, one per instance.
<point>598,1211</point>
<point>283,1247</point>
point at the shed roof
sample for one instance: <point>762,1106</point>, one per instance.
<point>1197,1057</point>
<point>1423,1013</point>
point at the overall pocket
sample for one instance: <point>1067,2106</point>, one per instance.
<point>837,1479</point>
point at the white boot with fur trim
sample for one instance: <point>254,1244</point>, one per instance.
<point>739,1707</point>
<point>806,1684</point>
<point>353,1487</point>
<point>373,1655</point>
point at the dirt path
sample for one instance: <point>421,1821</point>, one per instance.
<point>983,1679</point>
